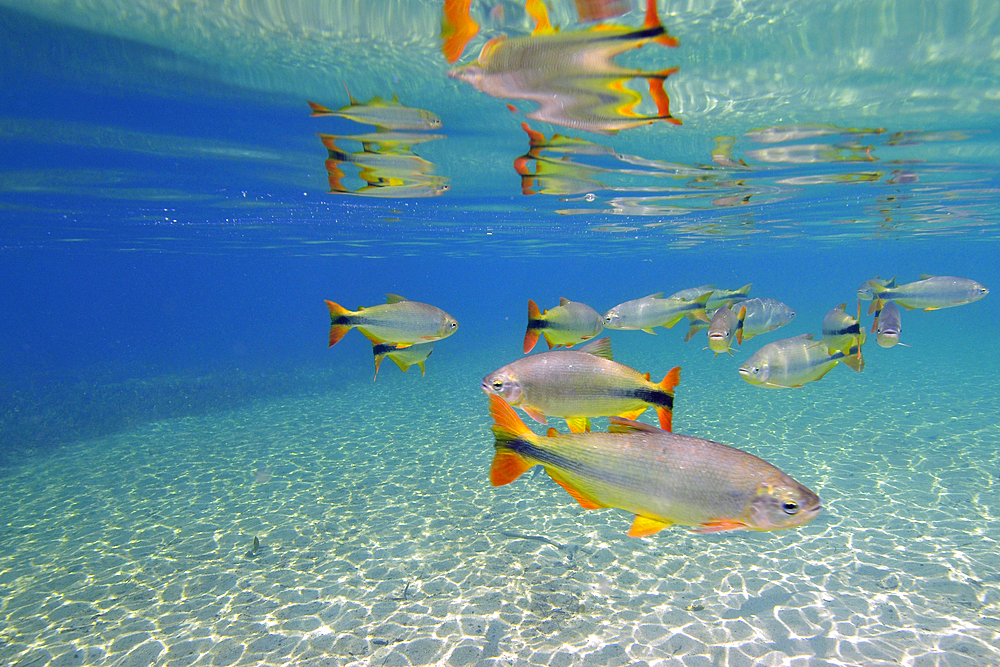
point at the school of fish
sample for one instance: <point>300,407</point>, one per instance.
<point>660,477</point>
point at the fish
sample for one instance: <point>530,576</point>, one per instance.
<point>726,325</point>
<point>572,74</point>
<point>567,324</point>
<point>662,478</point>
<point>579,384</point>
<point>383,114</point>
<point>867,290</point>
<point>655,311</point>
<point>397,321</point>
<point>415,354</point>
<point>841,331</point>
<point>765,315</point>
<point>727,297</point>
<point>791,362</point>
<point>930,293</point>
<point>888,325</point>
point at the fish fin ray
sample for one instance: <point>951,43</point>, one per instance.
<point>580,497</point>
<point>719,526</point>
<point>599,348</point>
<point>643,526</point>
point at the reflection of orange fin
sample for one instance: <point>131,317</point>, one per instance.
<point>457,28</point>
<point>536,10</point>
<point>535,324</point>
<point>660,96</point>
<point>653,21</point>
<point>335,175</point>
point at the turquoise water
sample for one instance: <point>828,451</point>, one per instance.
<point>169,235</point>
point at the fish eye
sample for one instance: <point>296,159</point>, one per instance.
<point>790,507</point>
<point>497,385</point>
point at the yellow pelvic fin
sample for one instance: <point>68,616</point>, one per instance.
<point>644,525</point>
<point>578,424</point>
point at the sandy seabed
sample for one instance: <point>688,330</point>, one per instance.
<point>382,542</point>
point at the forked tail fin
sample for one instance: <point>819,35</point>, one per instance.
<point>509,431</point>
<point>340,323</point>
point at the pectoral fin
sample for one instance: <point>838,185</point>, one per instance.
<point>535,414</point>
<point>719,527</point>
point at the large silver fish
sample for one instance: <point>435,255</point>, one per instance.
<point>579,384</point>
<point>792,362</point>
<point>396,321</point>
<point>930,293</point>
<point>662,478</point>
<point>764,315</point>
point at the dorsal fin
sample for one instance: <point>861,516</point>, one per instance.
<point>563,301</point>
<point>658,295</point>
<point>622,425</point>
<point>394,298</point>
<point>599,348</point>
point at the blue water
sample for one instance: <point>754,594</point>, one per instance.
<point>167,240</point>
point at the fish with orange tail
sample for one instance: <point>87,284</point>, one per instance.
<point>567,324</point>
<point>660,477</point>
<point>579,384</point>
<point>397,321</point>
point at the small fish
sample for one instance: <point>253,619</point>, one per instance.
<point>567,324</point>
<point>655,311</point>
<point>867,290</point>
<point>792,362</point>
<point>254,549</point>
<point>728,297</point>
<point>397,321</point>
<point>725,326</point>
<point>888,325</point>
<point>404,358</point>
<point>660,477</point>
<point>690,293</point>
<point>764,315</point>
<point>386,115</point>
<point>930,293</point>
<point>841,331</point>
<point>579,384</point>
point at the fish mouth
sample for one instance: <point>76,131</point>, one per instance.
<point>485,386</point>
<point>745,372</point>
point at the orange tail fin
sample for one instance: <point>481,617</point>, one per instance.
<point>339,322</point>
<point>667,385</point>
<point>319,110</point>
<point>535,325</point>
<point>508,429</point>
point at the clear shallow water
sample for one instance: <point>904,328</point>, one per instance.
<point>168,239</point>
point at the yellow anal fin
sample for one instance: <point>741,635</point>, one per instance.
<point>578,424</point>
<point>644,525</point>
<point>585,501</point>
